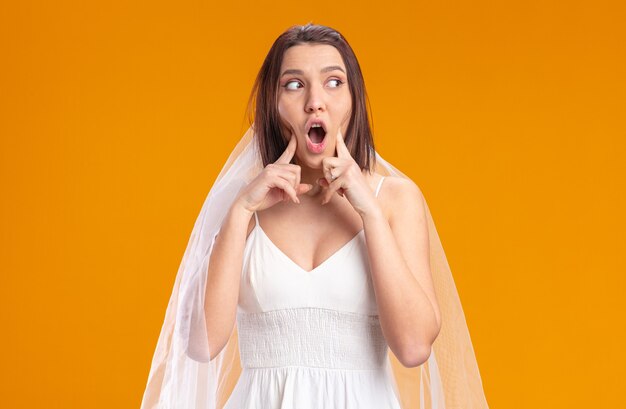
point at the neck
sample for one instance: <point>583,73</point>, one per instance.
<point>310,175</point>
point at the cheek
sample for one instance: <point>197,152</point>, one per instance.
<point>285,125</point>
<point>345,108</point>
<point>287,117</point>
<point>284,109</point>
<point>348,104</point>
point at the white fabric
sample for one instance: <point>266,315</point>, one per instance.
<point>309,339</point>
<point>182,376</point>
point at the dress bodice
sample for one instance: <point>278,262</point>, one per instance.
<point>304,334</point>
<point>324,317</point>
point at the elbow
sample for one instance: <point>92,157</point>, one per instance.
<point>415,353</point>
<point>415,356</point>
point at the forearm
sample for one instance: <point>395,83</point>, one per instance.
<point>223,276</point>
<point>406,313</point>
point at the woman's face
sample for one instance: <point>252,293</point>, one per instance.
<point>313,85</point>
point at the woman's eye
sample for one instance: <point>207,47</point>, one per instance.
<point>339,82</point>
<point>291,82</point>
<point>296,83</point>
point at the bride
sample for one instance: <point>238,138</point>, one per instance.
<point>314,277</point>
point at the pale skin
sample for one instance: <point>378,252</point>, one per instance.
<point>302,200</point>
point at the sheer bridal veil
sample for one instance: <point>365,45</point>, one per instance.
<point>182,376</point>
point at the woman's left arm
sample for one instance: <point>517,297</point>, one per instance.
<point>398,253</point>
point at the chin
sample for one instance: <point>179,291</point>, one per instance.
<point>310,161</point>
<point>313,161</point>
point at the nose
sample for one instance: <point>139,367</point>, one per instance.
<point>314,101</point>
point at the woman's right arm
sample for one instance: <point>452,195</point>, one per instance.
<point>278,181</point>
<point>224,273</point>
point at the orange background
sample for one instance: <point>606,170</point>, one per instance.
<point>116,118</point>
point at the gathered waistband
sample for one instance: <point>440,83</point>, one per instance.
<point>311,337</point>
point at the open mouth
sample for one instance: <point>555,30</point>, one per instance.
<point>317,133</point>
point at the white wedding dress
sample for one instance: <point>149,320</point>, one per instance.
<point>310,339</point>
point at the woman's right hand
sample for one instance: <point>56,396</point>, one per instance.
<point>277,182</point>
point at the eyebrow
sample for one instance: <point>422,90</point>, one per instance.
<point>325,69</point>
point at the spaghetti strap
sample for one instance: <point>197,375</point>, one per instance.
<point>256,218</point>
<point>380,183</point>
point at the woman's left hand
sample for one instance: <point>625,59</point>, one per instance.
<point>349,181</point>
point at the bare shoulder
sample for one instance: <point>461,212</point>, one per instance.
<point>401,193</point>
<point>404,187</point>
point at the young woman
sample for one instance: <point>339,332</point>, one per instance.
<point>314,273</point>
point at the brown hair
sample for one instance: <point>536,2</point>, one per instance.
<point>270,140</point>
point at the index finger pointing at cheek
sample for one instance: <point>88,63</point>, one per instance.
<point>342,149</point>
<point>289,151</point>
